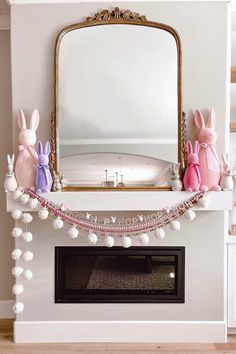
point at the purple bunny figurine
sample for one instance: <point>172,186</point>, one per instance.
<point>43,176</point>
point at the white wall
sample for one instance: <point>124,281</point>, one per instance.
<point>203,29</point>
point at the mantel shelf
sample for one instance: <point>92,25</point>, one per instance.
<point>135,200</point>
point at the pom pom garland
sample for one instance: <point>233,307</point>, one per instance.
<point>27,236</point>
<point>18,307</point>
<point>17,289</point>
<point>26,218</point>
<point>24,198</point>
<point>143,239</point>
<point>175,225</point>
<point>16,232</point>
<point>28,256</point>
<point>190,214</point>
<point>73,232</point>
<point>58,223</point>
<point>17,271</point>
<point>203,202</point>
<point>33,203</point>
<point>43,214</point>
<point>17,194</point>
<point>16,254</point>
<point>126,241</point>
<point>160,233</point>
<point>92,238</point>
<point>16,214</point>
<point>28,275</point>
<point>109,241</point>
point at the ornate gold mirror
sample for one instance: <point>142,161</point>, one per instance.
<point>117,121</point>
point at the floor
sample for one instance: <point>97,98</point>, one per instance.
<point>8,347</point>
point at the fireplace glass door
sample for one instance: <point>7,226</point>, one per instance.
<point>98,274</point>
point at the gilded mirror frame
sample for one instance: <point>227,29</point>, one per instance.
<point>108,17</point>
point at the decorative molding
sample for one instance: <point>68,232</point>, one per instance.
<point>116,14</point>
<point>120,331</point>
<point>6,309</point>
<point>36,2</point>
<point>4,22</point>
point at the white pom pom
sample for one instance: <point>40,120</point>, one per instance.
<point>16,214</point>
<point>17,194</point>
<point>43,214</point>
<point>18,307</point>
<point>109,241</point>
<point>160,233</point>
<point>33,202</point>
<point>28,256</point>
<point>28,275</point>
<point>17,271</point>
<point>190,214</point>
<point>24,198</point>
<point>58,223</point>
<point>73,232</point>
<point>143,239</point>
<point>26,218</point>
<point>17,289</point>
<point>27,236</point>
<point>92,238</point>
<point>16,232</point>
<point>126,241</point>
<point>175,225</point>
<point>203,202</point>
<point>16,254</point>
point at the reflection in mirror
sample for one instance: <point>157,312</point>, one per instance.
<point>117,106</point>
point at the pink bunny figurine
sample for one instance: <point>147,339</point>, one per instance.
<point>26,164</point>
<point>43,175</point>
<point>192,178</point>
<point>210,169</point>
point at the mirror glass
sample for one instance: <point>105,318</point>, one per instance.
<point>117,106</point>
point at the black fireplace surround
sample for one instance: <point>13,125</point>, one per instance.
<point>119,275</point>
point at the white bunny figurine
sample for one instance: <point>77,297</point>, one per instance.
<point>226,181</point>
<point>175,182</point>
<point>10,183</point>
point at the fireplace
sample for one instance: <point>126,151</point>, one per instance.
<point>100,274</point>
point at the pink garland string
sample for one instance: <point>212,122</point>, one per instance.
<point>138,228</point>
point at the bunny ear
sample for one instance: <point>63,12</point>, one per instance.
<point>8,159</point>
<point>199,120</point>
<point>40,148</point>
<point>47,148</point>
<point>196,147</point>
<point>21,120</point>
<point>189,147</point>
<point>34,121</point>
<point>223,158</point>
<point>211,119</point>
<point>13,159</point>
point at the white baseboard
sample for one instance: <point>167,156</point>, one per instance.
<point>119,331</point>
<point>6,309</point>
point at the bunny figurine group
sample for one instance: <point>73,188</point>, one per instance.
<point>31,168</point>
<point>204,170</point>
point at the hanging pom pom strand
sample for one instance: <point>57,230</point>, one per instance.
<point>16,254</point>
<point>28,275</point>
<point>58,223</point>
<point>175,225</point>
<point>17,289</point>
<point>203,202</point>
<point>17,271</point>
<point>26,218</point>
<point>92,238</point>
<point>18,307</point>
<point>43,214</point>
<point>16,232</point>
<point>16,214</point>
<point>143,239</point>
<point>17,194</point>
<point>109,241</point>
<point>28,256</point>
<point>190,214</point>
<point>24,198</point>
<point>73,232</point>
<point>33,203</point>
<point>27,236</point>
<point>126,241</point>
<point>160,233</point>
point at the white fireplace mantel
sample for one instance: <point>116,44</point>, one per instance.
<point>127,200</point>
